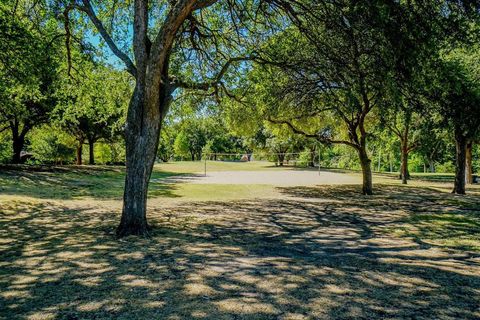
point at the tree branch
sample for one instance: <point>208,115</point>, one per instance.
<point>200,4</point>
<point>163,42</point>
<point>66,25</point>
<point>413,146</point>
<point>395,130</point>
<point>140,38</point>
<point>318,137</point>
<point>4,128</point>
<point>178,83</point>
<point>88,9</point>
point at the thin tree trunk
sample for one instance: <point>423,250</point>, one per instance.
<point>460,160</point>
<point>366,163</point>
<point>91,149</point>
<point>468,164</point>
<point>431,158</point>
<point>312,157</point>
<point>404,174</point>
<point>79,154</point>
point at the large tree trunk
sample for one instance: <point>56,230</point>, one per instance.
<point>18,141</point>
<point>18,144</point>
<point>142,138</point>
<point>366,163</point>
<point>91,152</point>
<point>468,163</point>
<point>460,160</point>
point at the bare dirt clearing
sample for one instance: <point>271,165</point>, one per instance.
<point>276,178</point>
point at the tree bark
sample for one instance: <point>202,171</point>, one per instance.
<point>79,154</point>
<point>468,163</point>
<point>18,141</point>
<point>366,163</point>
<point>460,160</point>
<point>91,152</point>
<point>404,174</point>
<point>311,162</point>
<point>142,139</point>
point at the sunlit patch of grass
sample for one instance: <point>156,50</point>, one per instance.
<point>74,184</point>
<point>108,184</point>
<point>218,192</point>
<point>458,230</point>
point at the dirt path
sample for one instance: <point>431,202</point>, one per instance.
<point>276,178</point>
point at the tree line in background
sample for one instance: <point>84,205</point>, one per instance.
<point>44,112</point>
<point>385,85</point>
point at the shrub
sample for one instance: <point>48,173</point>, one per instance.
<point>447,167</point>
<point>5,148</point>
<point>51,145</point>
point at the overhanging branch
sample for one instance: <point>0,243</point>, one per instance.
<point>200,4</point>
<point>319,138</point>
<point>179,83</point>
<point>88,9</point>
<point>413,146</point>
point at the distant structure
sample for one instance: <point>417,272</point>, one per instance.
<point>24,156</point>
<point>245,158</point>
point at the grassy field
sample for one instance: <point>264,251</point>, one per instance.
<point>199,166</point>
<point>104,183</point>
<point>236,252</point>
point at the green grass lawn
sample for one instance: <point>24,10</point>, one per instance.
<point>70,183</point>
<point>236,252</point>
<point>103,182</point>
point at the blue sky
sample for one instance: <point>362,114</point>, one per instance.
<point>110,58</point>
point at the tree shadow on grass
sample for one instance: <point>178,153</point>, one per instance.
<point>79,182</point>
<point>264,259</point>
<point>433,216</point>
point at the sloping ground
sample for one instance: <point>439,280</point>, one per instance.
<point>316,253</point>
